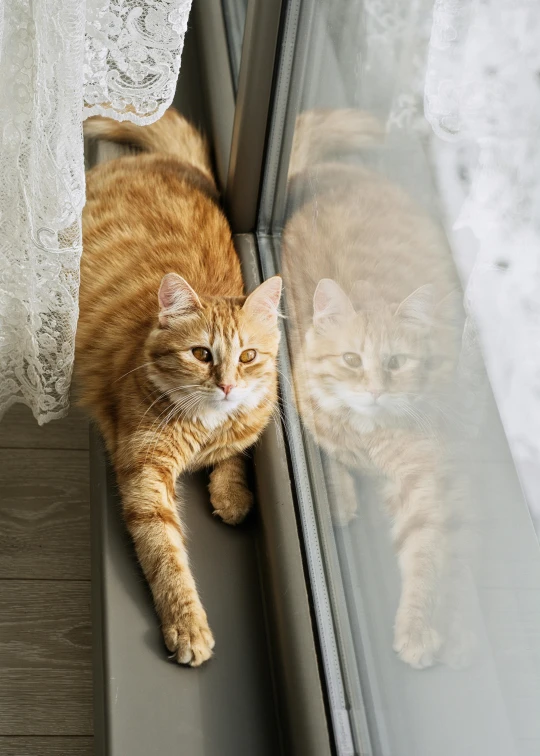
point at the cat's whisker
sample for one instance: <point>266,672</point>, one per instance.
<point>421,420</point>
<point>157,433</point>
<point>161,396</point>
<point>285,378</point>
<point>140,367</point>
<point>161,427</point>
<point>164,394</point>
<point>170,408</point>
<point>278,415</point>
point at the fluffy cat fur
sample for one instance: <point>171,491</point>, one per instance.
<point>161,290</point>
<point>374,335</point>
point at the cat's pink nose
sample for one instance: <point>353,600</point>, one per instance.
<point>226,388</point>
<point>376,395</point>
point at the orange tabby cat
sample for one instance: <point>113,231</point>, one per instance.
<point>375,337</point>
<point>175,364</point>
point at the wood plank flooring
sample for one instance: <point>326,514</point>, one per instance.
<point>45,626</point>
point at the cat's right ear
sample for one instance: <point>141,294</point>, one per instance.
<point>176,298</point>
<point>330,302</point>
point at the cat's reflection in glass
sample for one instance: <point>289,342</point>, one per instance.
<point>375,326</point>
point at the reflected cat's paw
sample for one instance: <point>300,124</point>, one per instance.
<point>187,636</point>
<point>232,503</point>
<point>416,644</point>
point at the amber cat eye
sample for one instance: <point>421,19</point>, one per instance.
<point>396,361</point>
<point>202,354</point>
<point>248,355</point>
<point>352,359</point>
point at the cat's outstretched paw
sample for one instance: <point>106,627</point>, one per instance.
<point>232,503</point>
<point>188,637</point>
<point>416,644</point>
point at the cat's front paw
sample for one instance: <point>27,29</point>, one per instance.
<point>187,635</point>
<point>416,644</point>
<point>231,503</point>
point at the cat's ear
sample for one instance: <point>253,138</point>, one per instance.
<point>176,298</point>
<point>263,302</point>
<point>330,302</point>
<point>418,308</point>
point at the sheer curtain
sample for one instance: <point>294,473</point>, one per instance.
<point>60,62</point>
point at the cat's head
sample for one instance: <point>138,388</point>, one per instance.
<point>214,357</point>
<point>373,360</point>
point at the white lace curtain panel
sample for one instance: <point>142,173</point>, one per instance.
<point>60,62</point>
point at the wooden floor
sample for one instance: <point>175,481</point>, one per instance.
<point>45,629</point>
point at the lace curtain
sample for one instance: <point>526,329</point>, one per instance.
<point>62,61</point>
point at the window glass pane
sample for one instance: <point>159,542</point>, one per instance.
<point>234,13</point>
<point>401,205</point>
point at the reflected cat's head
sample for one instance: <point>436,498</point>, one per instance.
<point>372,359</point>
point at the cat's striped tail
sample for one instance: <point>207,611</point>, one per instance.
<point>172,134</point>
<point>321,135</point>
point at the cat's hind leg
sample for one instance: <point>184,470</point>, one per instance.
<point>229,492</point>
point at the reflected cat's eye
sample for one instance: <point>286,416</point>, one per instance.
<point>202,354</point>
<point>352,359</point>
<point>396,361</point>
<point>248,355</point>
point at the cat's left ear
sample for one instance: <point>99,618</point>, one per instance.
<point>176,298</point>
<point>418,308</point>
<point>263,302</point>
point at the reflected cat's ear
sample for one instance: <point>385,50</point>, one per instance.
<point>450,310</point>
<point>330,302</point>
<point>263,302</point>
<point>176,298</point>
<point>418,308</point>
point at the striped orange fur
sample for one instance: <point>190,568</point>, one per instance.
<point>375,331</point>
<point>161,281</point>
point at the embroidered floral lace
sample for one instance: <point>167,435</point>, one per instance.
<point>62,61</point>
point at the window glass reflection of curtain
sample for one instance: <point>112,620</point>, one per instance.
<point>462,79</point>
<point>60,61</point>
<point>482,98</point>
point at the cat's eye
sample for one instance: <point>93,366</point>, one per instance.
<point>202,354</point>
<point>396,361</point>
<point>248,355</point>
<point>352,359</point>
